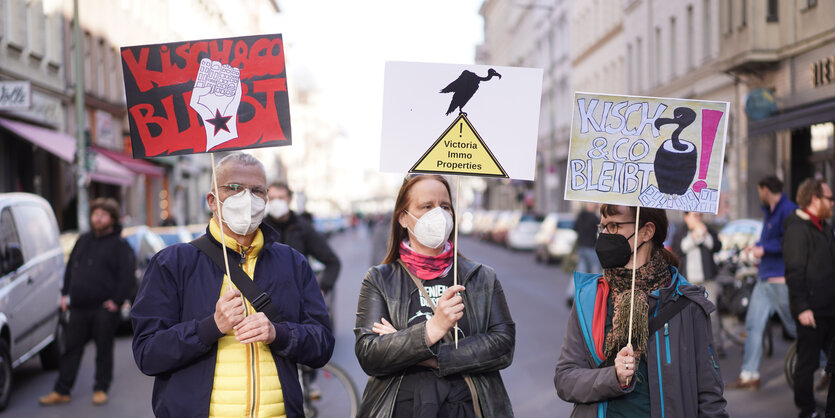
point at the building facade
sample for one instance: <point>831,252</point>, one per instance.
<point>37,143</point>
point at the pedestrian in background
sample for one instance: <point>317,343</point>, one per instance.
<point>598,370</point>
<point>770,293</point>
<point>586,227</point>
<point>809,254</point>
<point>407,310</point>
<point>98,279</point>
<point>694,244</point>
<point>298,232</point>
<point>210,352</point>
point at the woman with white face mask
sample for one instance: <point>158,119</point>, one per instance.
<point>406,317</point>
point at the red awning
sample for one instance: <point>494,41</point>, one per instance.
<point>137,166</point>
<point>57,143</point>
<point>111,172</point>
<point>63,146</point>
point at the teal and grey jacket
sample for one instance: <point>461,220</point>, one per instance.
<point>683,374</point>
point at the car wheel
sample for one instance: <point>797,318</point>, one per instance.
<point>51,355</point>
<point>5,374</point>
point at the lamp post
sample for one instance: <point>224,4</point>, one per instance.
<point>81,149</point>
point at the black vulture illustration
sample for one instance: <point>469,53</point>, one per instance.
<point>464,87</point>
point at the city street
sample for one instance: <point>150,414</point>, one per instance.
<point>536,296</point>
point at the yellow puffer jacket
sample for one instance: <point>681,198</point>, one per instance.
<point>246,379</point>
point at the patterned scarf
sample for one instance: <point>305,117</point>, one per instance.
<point>426,267</point>
<point>653,275</point>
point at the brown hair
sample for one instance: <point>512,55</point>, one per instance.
<point>281,185</point>
<point>658,217</point>
<point>108,205</point>
<point>398,233</point>
<point>807,190</point>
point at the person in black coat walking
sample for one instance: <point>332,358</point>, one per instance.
<point>809,251</point>
<point>297,232</point>
<point>98,279</point>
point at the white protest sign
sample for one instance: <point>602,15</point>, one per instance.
<point>472,120</point>
<point>647,151</point>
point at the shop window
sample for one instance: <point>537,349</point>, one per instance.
<point>822,134</point>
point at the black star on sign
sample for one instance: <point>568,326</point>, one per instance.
<point>219,122</point>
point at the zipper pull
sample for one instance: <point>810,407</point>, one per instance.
<point>666,328</point>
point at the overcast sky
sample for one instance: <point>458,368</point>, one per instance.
<point>342,46</point>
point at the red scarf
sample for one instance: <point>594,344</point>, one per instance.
<point>816,220</point>
<point>426,267</point>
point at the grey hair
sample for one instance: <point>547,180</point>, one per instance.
<point>237,158</point>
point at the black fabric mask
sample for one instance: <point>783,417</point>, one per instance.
<point>613,250</point>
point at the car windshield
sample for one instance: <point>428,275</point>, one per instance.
<point>170,239</point>
<point>565,224</point>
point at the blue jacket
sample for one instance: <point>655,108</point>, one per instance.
<point>771,238</point>
<point>684,378</point>
<point>175,336</point>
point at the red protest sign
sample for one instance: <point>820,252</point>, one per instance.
<point>207,95</point>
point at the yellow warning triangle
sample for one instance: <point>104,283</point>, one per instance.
<point>459,150</point>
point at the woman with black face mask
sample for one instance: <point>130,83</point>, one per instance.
<point>669,369</point>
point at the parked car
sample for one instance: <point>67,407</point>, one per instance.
<point>562,243</point>
<point>31,275</point>
<point>523,236</point>
<point>550,244</point>
<point>465,223</point>
<point>173,234</point>
<point>145,243</point>
<point>505,222</point>
<point>484,223</point>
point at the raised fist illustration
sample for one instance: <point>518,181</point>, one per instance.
<point>216,97</point>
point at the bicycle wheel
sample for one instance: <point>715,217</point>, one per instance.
<point>339,396</point>
<point>789,363</point>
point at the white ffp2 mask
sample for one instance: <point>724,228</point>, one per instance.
<point>243,212</point>
<point>433,228</point>
<point>277,208</point>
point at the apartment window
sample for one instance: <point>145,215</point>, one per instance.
<point>101,65</point>
<point>772,11</point>
<point>657,58</point>
<point>744,13</point>
<point>689,34</point>
<point>630,86</point>
<point>729,11</point>
<point>706,30</point>
<point>87,62</point>
<point>639,65</point>
<point>673,45</point>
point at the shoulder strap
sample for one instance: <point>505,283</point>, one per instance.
<point>257,298</point>
<point>667,313</point>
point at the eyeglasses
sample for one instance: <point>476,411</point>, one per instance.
<point>829,198</point>
<point>235,188</point>
<point>611,227</point>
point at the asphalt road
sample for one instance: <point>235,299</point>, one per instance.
<point>535,293</point>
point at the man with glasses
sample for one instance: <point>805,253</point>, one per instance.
<point>210,352</point>
<point>770,293</point>
<point>809,251</point>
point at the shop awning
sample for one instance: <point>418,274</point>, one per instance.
<point>63,146</point>
<point>57,143</point>
<point>794,118</point>
<point>137,166</point>
<point>109,171</point>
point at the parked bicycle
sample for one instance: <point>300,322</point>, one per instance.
<point>332,394</point>
<point>821,382</point>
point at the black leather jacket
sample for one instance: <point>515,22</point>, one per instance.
<point>386,292</point>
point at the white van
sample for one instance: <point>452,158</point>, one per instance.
<point>31,275</point>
